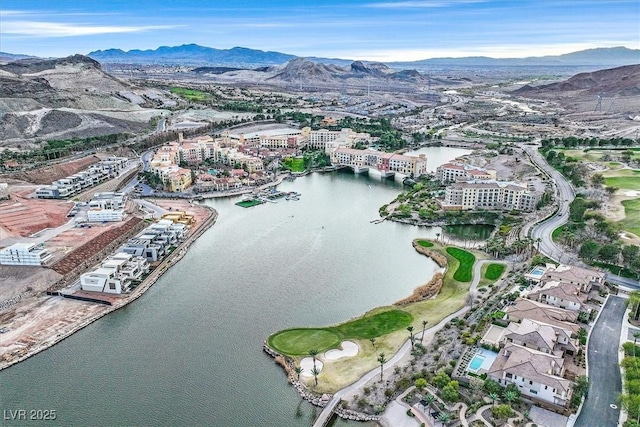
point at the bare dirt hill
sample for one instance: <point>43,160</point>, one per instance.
<point>623,81</point>
<point>44,99</point>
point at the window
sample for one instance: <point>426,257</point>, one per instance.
<point>112,286</point>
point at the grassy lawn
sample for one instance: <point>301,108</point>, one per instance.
<point>425,243</point>
<point>555,235</point>
<point>294,164</point>
<point>191,94</point>
<point>490,273</point>
<point>631,222</point>
<point>627,179</point>
<point>494,271</point>
<point>298,342</point>
<point>464,271</point>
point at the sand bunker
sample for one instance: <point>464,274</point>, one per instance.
<point>348,349</point>
<point>307,366</point>
<point>631,193</point>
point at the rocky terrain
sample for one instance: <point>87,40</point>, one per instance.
<point>44,99</point>
<point>620,81</point>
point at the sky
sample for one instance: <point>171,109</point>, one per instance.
<point>376,30</point>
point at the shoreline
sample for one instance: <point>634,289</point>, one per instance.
<point>140,290</point>
<point>287,362</point>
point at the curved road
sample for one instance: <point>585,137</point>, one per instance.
<point>325,415</point>
<point>601,407</point>
<point>543,231</point>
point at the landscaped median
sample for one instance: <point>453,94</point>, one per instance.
<point>381,330</point>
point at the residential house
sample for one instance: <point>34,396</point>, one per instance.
<point>544,313</point>
<point>536,374</point>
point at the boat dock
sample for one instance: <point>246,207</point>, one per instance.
<point>267,196</point>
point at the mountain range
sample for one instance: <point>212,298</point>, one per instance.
<point>195,55</point>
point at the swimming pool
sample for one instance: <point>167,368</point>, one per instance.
<point>482,360</point>
<point>538,271</point>
<point>476,363</point>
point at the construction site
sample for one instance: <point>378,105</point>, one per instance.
<point>40,305</point>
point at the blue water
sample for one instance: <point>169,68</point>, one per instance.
<point>476,363</point>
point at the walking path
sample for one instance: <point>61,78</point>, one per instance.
<point>404,351</point>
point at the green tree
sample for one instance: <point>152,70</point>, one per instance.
<point>444,418</point>
<point>631,402</point>
<point>492,386</point>
<point>313,353</point>
<point>373,342</point>
<point>315,371</point>
<point>589,250</point>
<point>424,328</point>
<point>441,379</point>
<point>449,393</point>
<point>609,253</point>
<point>510,396</point>
<point>421,384</point>
<point>629,254</point>
<point>580,389</point>
<point>298,370</point>
<point>411,337</point>
<point>494,397</point>
<point>502,411</point>
<point>634,303</point>
<point>381,360</point>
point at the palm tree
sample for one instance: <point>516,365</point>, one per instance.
<point>298,370</point>
<point>510,396</point>
<point>424,328</point>
<point>494,397</point>
<point>438,237</point>
<point>444,418</point>
<point>381,360</point>
<point>538,241</point>
<point>373,342</point>
<point>428,397</point>
<point>313,353</point>
<point>315,371</point>
<point>410,329</point>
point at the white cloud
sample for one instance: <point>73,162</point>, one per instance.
<point>55,29</point>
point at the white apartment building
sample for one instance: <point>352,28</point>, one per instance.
<point>329,139</point>
<point>73,184</point>
<point>454,171</point>
<point>106,207</point>
<point>24,254</point>
<point>115,274</point>
<point>384,162</point>
<point>489,194</point>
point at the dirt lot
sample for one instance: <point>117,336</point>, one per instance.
<point>22,216</point>
<point>46,175</point>
<point>39,321</point>
<point>200,213</point>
